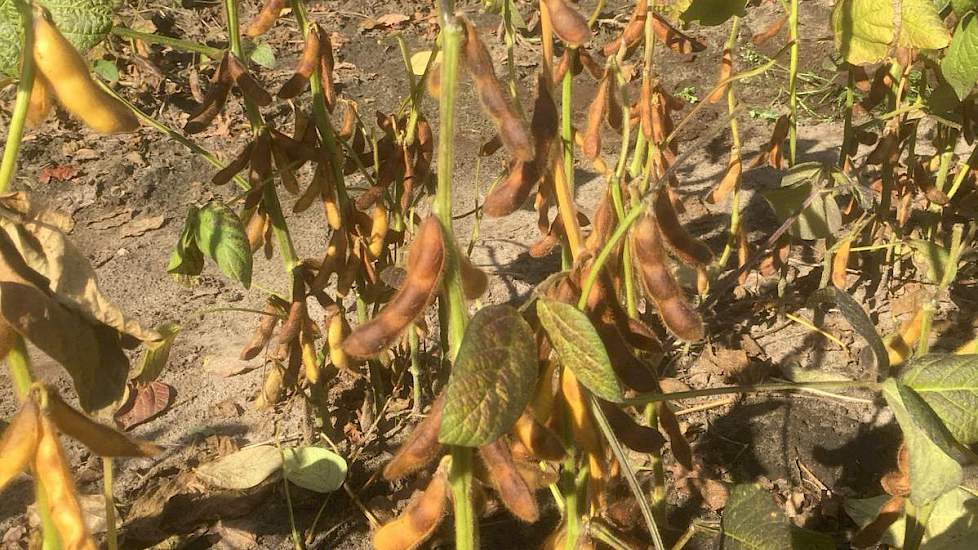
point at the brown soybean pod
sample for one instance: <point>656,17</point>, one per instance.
<point>249,87</point>
<point>54,473</point>
<point>660,285</point>
<point>634,31</point>
<point>239,163</point>
<point>639,438</point>
<point>582,424</point>
<point>677,441</point>
<point>418,521</point>
<point>307,64</point>
<point>595,115</point>
<point>510,486</point>
<point>474,280</point>
<point>539,440</point>
<point>728,183</point>
<point>687,247</point>
<point>726,69</point>
<point>493,97</point>
<point>42,101</point>
<point>426,260</point>
<point>568,23</point>
<point>99,438</point>
<point>421,447</point>
<point>771,31</point>
<point>670,36</point>
<point>337,331</point>
<point>839,263</point>
<point>19,442</point>
<point>645,107</point>
<point>263,333</point>
<point>326,66</point>
<point>265,19</point>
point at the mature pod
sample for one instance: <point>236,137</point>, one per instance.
<point>672,37</point>
<point>582,424</point>
<point>42,100</point>
<point>772,153</point>
<point>419,520</point>
<point>67,73</point>
<point>508,195</point>
<point>249,87</point>
<point>19,442</point>
<point>568,23</point>
<point>298,313</point>
<point>634,30</point>
<point>378,229</point>
<point>337,331</point>
<point>265,19</point>
<point>595,114</point>
<point>326,66</point>
<point>497,103</point>
<point>603,224</point>
<point>639,438</point>
<point>421,447</point>
<point>681,450</point>
<point>52,470</point>
<point>474,280</point>
<point>687,247</point>
<point>255,230</point>
<point>729,181</point>
<point>426,262</point>
<point>99,438</point>
<point>307,64</point>
<point>770,31</point>
<point>310,360</point>
<point>263,333</point>
<point>726,69</point>
<point>660,285</point>
<point>238,164</point>
<point>510,486</point>
<point>645,107</point>
<point>272,387</point>
<point>839,263</point>
<point>539,440</point>
<point>900,345</point>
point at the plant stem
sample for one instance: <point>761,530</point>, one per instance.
<point>15,132</point>
<point>734,157</point>
<point>917,518</point>
<point>111,536</point>
<point>793,82</point>
<point>20,368</point>
<point>234,39</point>
<point>847,133</point>
<point>564,174</point>
<point>176,43</point>
<point>644,398</point>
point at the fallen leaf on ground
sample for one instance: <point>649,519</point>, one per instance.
<point>149,401</point>
<point>57,172</point>
<point>243,469</point>
<point>111,220</point>
<point>387,21</point>
<point>143,224</point>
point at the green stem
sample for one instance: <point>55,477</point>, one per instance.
<point>567,140</point>
<point>111,536</point>
<point>917,518</point>
<point>15,131</point>
<point>847,133</point>
<point>19,365</point>
<point>644,398</point>
<point>793,82</point>
<point>176,43</point>
<point>234,38</point>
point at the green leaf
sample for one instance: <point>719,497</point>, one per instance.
<point>107,70</point>
<point>864,510</point>
<point>83,22</point>
<point>933,472</point>
<point>960,63</point>
<point>493,379</point>
<point>263,54</point>
<point>820,219</point>
<point>962,7</point>
<point>949,384</point>
<point>187,260</point>
<point>858,319</point>
<point>579,348</point>
<point>156,353</point>
<point>314,468</point>
<point>243,469</point>
<point>751,520</point>
<point>221,236</point>
<point>864,30</point>
<point>713,12</point>
<point>953,522</point>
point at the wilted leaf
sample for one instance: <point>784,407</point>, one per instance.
<point>150,400</point>
<point>858,319</point>
<point>933,472</point>
<point>156,353</point>
<point>187,260</point>
<point>222,238</point>
<point>580,348</point>
<point>314,468</point>
<point>493,378</point>
<point>100,439</point>
<point>57,172</point>
<point>819,220</point>
<point>243,469</point>
<point>949,384</point>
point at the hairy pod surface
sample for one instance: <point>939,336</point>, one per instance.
<point>19,442</point>
<point>263,333</point>
<point>673,38</point>
<point>633,33</point>
<point>660,285</point>
<point>426,261</point>
<point>418,521</point>
<point>338,330</point>
<point>541,442</point>
<point>42,101</point>
<point>249,87</point>
<point>509,484</point>
<point>100,439</point>
<point>307,64</point>
<point>595,115</point>
<point>421,447</point>
<point>265,19</point>
<point>729,182</point>
<point>378,230</point>
<point>568,23</point>
<point>495,100</point>
<point>67,73</point>
<point>639,438</point>
<point>687,247</point>
<point>474,280</point>
<point>52,469</point>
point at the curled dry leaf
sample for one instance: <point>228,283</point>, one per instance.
<point>99,438</point>
<point>149,401</point>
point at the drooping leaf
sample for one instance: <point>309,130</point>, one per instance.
<point>933,472</point>
<point>187,260</point>
<point>492,380</point>
<point>147,401</point>
<point>960,62</point>
<point>243,469</point>
<point>751,520</point>
<point>314,468</point>
<point>221,236</point>
<point>962,7</point>
<point>859,320</point>
<point>864,29</point>
<point>156,353</point>
<point>71,277</point>
<point>579,348</point>
<point>90,352</point>
<point>820,219</point>
<point>949,384</point>
<point>713,12</point>
<point>84,23</point>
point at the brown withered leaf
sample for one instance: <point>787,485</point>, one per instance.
<point>57,172</point>
<point>143,224</point>
<point>149,401</point>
